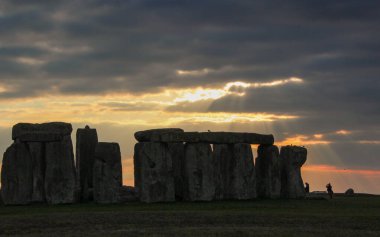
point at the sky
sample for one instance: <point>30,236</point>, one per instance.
<point>305,71</point>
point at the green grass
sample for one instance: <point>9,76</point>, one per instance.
<point>342,216</point>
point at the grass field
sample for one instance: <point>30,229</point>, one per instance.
<point>342,216</point>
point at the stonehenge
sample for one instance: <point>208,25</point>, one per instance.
<point>39,165</point>
<point>199,184</point>
<point>107,173</point>
<point>268,173</point>
<point>235,171</point>
<point>86,141</point>
<point>170,135</point>
<point>154,180</point>
<point>169,165</point>
<point>292,159</point>
<point>206,165</point>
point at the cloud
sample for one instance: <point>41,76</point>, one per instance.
<point>305,71</point>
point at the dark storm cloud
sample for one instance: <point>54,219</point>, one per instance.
<point>93,47</point>
<point>147,41</point>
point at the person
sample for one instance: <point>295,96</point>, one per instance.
<point>307,187</point>
<point>329,190</point>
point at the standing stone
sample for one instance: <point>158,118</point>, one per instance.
<point>199,172</point>
<point>235,175</point>
<point>37,152</point>
<point>153,172</point>
<point>243,185</point>
<point>292,159</point>
<point>16,175</point>
<point>268,175</point>
<point>60,172</point>
<point>177,153</point>
<point>107,173</point>
<point>86,142</point>
<point>222,159</point>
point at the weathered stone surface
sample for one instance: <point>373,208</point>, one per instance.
<point>268,172</point>
<point>160,135</point>
<point>235,175</point>
<point>292,158</point>
<point>178,135</point>
<point>37,152</point>
<point>199,172</point>
<point>243,173</point>
<point>127,194</point>
<point>222,160</point>
<point>16,175</point>
<point>177,152</point>
<point>60,177</point>
<point>86,142</point>
<point>107,173</point>
<point>44,132</point>
<point>154,180</point>
<point>235,137</point>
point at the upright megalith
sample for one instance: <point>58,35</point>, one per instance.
<point>292,158</point>
<point>37,152</point>
<point>177,153</point>
<point>234,171</point>
<point>86,141</point>
<point>60,179</point>
<point>268,172</point>
<point>153,166</point>
<point>199,176</point>
<point>107,173</point>
<point>17,175</point>
<point>243,173</point>
<point>222,160</point>
<point>39,165</point>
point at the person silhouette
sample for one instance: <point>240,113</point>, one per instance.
<point>307,187</point>
<point>329,190</point>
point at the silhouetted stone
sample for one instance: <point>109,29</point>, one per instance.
<point>178,135</point>
<point>16,175</point>
<point>60,180</point>
<point>235,175</point>
<point>160,135</point>
<point>268,172</point>
<point>45,132</point>
<point>292,158</point>
<point>243,173</point>
<point>177,152</point>
<point>107,174</point>
<point>235,137</point>
<point>86,142</point>
<point>222,160</point>
<point>127,194</point>
<point>349,192</point>
<point>199,172</point>
<point>153,172</point>
<point>37,152</point>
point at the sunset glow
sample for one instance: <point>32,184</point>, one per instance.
<point>238,66</point>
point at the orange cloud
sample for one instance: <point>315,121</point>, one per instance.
<point>302,140</point>
<point>334,169</point>
<point>376,142</point>
<point>343,132</point>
